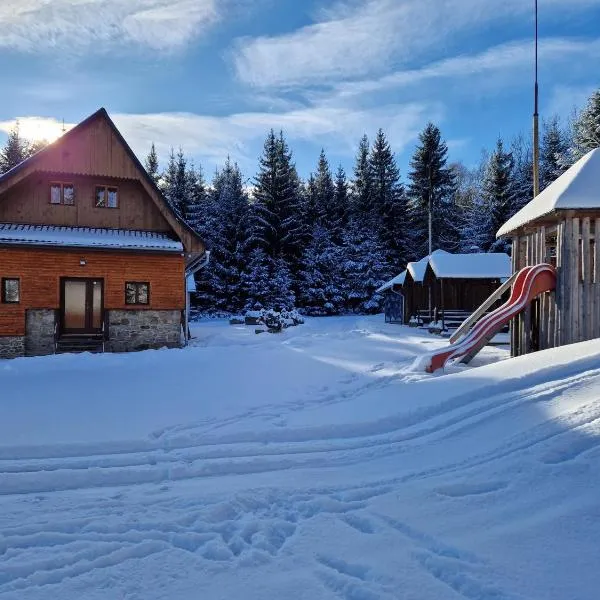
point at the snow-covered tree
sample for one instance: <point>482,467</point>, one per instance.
<point>151,164</point>
<point>522,173</point>
<point>195,205</point>
<point>364,267</point>
<point>362,184</point>
<point>15,151</point>
<point>586,128</point>
<point>553,151</point>
<point>498,199</point>
<point>278,224</point>
<point>389,201</point>
<point>321,289</point>
<point>432,183</point>
<point>229,222</point>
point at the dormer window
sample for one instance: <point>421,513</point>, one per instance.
<point>62,193</point>
<point>107,196</point>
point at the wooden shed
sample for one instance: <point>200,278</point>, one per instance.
<point>560,226</point>
<point>459,283</point>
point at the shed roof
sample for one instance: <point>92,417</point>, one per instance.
<point>417,269</point>
<point>87,237</point>
<point>398,280</point>
<point>495,265</point>
<point>578,187</point>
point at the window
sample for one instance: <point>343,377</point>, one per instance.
<point>107,197</point>
<point>137,293</point>
<point>11,291</point>
<point>62,193</point>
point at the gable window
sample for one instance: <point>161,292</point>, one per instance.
<point>11,290</point>
<point>137,292</point>
<point>62,193</point>
<point>107,196</point>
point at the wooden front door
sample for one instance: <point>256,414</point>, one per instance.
<point>82,305</point>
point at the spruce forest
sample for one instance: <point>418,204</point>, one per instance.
<point>325,245</point>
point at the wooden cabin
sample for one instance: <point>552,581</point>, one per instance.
<point>560,226</point>
<point>460,283</point>
<point>91,255</point>
<point>393,302</point>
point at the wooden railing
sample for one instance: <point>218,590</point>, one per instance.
<point>468,323</point>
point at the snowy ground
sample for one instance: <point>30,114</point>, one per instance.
<point>306,465</point>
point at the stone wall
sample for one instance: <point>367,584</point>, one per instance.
<point>12,347</point>
<point>143,329</point>
<point>39,332</point>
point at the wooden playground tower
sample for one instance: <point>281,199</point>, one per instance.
<point>560,227</point>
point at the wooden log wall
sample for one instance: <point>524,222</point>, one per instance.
<point>571,313</point>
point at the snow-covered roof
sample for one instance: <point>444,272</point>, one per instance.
<point>495,265</point>
<point>86,237</point>
<point>578,187</point>
<point>417,269</point>
<point>398,280</point>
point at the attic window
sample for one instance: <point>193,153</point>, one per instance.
<point>107,197</point>
<point>62,193</point>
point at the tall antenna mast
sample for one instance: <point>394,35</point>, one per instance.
<point>536,127</point>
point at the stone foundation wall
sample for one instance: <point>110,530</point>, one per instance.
<point>39,332</point>
<point>12,347</point>
<point>143,329</point>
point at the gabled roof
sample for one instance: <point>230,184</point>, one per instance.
<point>398,280</point>
<point>495,265</point>
<point>182,229</point>
<point>86,237</point>
<point>578,187</point>
<point>417,269</point>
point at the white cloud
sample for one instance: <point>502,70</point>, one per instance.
<point>508,58</point>
<point>211,139</point>
<point>35,25</point>
<point>369,37</point>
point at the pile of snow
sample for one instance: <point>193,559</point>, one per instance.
<point>331,471</point>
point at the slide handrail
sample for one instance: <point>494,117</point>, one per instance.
<point>530,282</point>
<point>495,296</point>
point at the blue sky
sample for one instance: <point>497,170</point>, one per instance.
<point>215,75</point>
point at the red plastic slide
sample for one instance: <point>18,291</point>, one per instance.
<point>530,282</point>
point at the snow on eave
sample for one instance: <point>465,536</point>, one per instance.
<point>86,237</point>
<point>418,268</point>
<point>398,280</point>
<point>494,265</point>
<point>576,188</point>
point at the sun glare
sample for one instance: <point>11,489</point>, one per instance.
<point>40,130</point>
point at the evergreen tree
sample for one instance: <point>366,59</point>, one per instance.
<point>278,225</point>
<point>363,268</point>
<point>151,164</point>
<point>586,128</point>
<point>321,283</point>
<point>362,185</point>
<point>388,201</point>
<point>168,180</point>
<point>341,194</point>
<point>522,176</point>
<point>432,182</point>
<point>325,209</point>
<point>498,199</point>
<point>553,150</point>
<point>15,151</point>
<point>229,237</point>
<point>195,202</point>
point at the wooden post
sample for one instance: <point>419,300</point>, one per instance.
<point>574,280</point>
<point>585,296</point>
<point>565,298</point>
